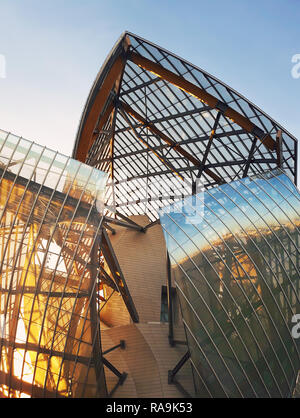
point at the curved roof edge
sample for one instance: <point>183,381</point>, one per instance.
<point>151,114</point>
<point>116,51</point>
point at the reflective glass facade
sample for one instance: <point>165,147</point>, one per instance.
<point>51,215</point>
<point>235,257</point>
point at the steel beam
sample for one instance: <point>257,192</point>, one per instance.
<point>28,388</point>
<point>118,276</point>
<point>122,376</point>
<point>113,231</point>
<point>86,137</point>
<point>279,152</point>
<point>203,96</point>
<point>129,225</point>
<point>106,279</point>
<point>121,345</point>
<point>161,147</point>
<point>40,349</point>
<point>120,215</point>
<point>208,147</point>
<point>139,137</point>
<point>169,141</point>
<point>111,367</point>
<point>194,168</point>
<point>172,117</point>
<point>140,86</point>
<point>101,102</point>
<point>95,320</point>
<point>179,365</point>
<point>250,157</point>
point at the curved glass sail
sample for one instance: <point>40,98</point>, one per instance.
<point>51,214</point>
<point>235,257</point>
<point>158,123</point>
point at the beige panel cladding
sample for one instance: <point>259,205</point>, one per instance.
<point>146,358</point>
<point>148,355</point>
<point>142,257</point>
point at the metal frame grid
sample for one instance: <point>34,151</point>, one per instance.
<point>53,245</point>
<point>160,126</point>
<point>234,252</point>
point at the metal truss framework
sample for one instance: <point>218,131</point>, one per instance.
<point>160,126</point>
<point>53,246</point>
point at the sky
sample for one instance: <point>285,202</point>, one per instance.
<point>52,50</point>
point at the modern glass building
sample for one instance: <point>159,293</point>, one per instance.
<point>162,259</point>
<point>235,254</point>
<point>51,216</point>
<point>161,127</point>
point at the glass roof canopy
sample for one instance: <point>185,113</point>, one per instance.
<point>161,127</point>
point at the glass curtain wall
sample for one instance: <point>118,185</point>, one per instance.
<point>51,216</point>
<point>235,257</point>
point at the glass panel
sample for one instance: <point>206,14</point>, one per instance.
<point>235,258</point>
<point>51,209</point>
